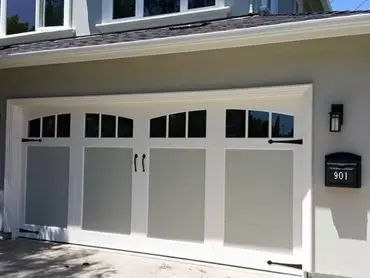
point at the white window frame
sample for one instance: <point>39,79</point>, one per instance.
<point>138,21</point>
<point>41,32</point>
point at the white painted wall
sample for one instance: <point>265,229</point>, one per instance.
<point>338,68</point>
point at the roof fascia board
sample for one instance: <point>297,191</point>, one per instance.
<point>279,33</point>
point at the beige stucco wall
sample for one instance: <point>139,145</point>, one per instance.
<point>340,72</point>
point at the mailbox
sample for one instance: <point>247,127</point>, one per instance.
<point>343,170</point>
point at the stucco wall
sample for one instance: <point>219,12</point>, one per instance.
<point>339,70</point>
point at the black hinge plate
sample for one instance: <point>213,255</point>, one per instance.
<point>297,141</point>
<point>30,140</point>
<point>296,266</point>
<point>28,231</point>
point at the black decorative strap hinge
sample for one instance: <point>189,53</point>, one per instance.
<point>28,231</point>
<point>296,266</point>
<point>297,141</point>
<point>24,140</point>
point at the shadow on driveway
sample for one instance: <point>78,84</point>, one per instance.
<point>28,258</point>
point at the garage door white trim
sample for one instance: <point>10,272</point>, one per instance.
<point>12,184</point>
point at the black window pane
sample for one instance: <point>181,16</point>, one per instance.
<point>92,125</point>
<point>158,127</point>
<point>177,125</point>
<point>155,7</point>
<point>258,124</point>
<point>34,127</point>
<point>235,123</point>
<point>54,12</point>
<point>282,125</point>
<point>192,4</point>
<point>197,124</point>
<point>48,126</point>
<point>125,127</point>
<point>64,125</point>
<point>108,126</point>
<point>123,8</point>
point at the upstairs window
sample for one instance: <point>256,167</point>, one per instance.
<point>124,9</point>
<point>24,16</point>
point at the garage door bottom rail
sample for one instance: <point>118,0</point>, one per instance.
<point>296,266</point>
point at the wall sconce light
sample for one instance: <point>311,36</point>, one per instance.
<point>336,117</point>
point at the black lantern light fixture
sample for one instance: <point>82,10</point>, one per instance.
<point>336,117</point>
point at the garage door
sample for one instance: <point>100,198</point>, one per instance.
<point>215,181</point>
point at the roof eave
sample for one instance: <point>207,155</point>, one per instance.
<point>281,33</point>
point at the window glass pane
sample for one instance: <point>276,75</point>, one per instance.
<point>197,124</point>
<point>282,125</point>
<point>192,4</point>
<point>258,124</point>
<point>123,8</point>
<point>235,123</point>
<point>108,126</point>
<point>156,7</point>
<point>125,127</point>
<point>92,125</point>
<point>54,12</point>
<point>177,125</point>
<point>34,127</point>
<point>158,127</point>
<point>20,16</point>
<point>48,126</point>
<point>64,125</point>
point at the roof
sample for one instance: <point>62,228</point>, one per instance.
<point>227,24</point>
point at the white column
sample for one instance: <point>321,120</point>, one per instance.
<point>13,170</point>
<point>76,157</point>
<point>215,178</point>
<point>68,13</point>
<point>39,14</point>
<point>139,8</point>
<point>183,5</point>
<point>2,18</point>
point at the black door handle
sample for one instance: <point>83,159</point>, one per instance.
<point>135,159</point>
<point>143,162</point>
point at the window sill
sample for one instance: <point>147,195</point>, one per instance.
<point>42,34</point>
<point>163,20</point>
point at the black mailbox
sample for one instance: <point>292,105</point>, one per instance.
<point>343,170</point>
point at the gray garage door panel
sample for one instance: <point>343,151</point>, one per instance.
<point>176,194</point>
<point>47,186</point>
<point>107,190</point>
<point>259,199</point>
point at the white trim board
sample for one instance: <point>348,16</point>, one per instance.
<point>206,95</point>
<point>280,33</point>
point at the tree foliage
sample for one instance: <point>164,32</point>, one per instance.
<point>15,26</point>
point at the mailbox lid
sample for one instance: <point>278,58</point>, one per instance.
<point>342,157</point>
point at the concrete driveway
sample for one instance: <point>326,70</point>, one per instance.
<point>26,258</point>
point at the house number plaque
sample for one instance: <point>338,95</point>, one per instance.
<point>343,170</point>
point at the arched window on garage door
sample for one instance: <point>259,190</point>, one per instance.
<point>260,124</point>
<point>51,126</point>
<point>107,126</point>
<point>192,124</point>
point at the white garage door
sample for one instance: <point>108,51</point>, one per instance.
<point>213,180</point>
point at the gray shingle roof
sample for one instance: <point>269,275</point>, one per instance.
<point>247,21</point>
